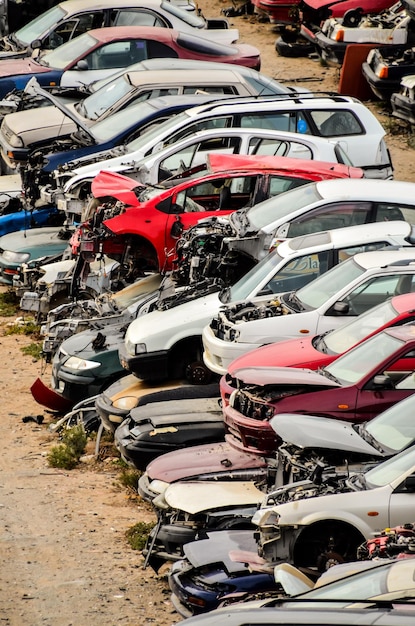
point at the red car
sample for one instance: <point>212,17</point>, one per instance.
<point>321,350</point>
<point>355,387</point>
<point>155,216</point>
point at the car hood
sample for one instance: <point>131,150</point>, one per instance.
<point>15,67</point>
<point>204,459</point>
<point>81,344</point>
<point>50,120</point>
<point>115,185</point>
<point>25,240</point>
<point>283,376</point>
<point>196,497</point>
<point>291,353</point>
<point>217,548</point>
<point>311,431</point>
<point>178,412</point>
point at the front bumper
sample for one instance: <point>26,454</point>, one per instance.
<point>147,366</point>
<point>219,354</point>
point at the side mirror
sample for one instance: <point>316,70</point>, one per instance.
<point>338,308</point>
<point>176,229</point>
<point>81,65</point>
<point>409,483</point>
<point>36,44</point>
<point>382,380</point>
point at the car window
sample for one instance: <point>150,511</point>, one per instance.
<point>139,17</point>
<point>219,194</point>
<point>219,122</point>
<point>335,215</point>
<point>226,89</point>
<point>280,184</point>
<point>386,212</point>
<point>377,289</point>
<point>270,120</point>
<point>117,54</point>
<point>336,123</point>
<point>195,154</point>
<point>278,147</point>
<point>298,272</point>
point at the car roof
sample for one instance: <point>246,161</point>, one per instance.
<point>368,189</point>
<point>404,302</point>
<point>106,35</point>
<point>349,235</point>
<point>318,616</point>
<point>222,74</point>
<point>382,259</point>
<point>76,6</point>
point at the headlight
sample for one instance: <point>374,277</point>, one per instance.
<point>263,518</point>
<point>135,348</point>
<point>127,402</point>
<point>15,141</point>
<point>159,486</point>
<point>15,257</point>
<point>76,364</point>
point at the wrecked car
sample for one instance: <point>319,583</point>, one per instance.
<point>385,67</point>
<point>153,347</point>
<point>353,395</point>
<point>403,101</point>
<point>346,290</point>
<point>333,523</point>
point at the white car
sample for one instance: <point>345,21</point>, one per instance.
<point>341,118</point>
<point>164,342</point>
<point>328,302</point>
<point>67,20</point>
<point>308,525</point>
<point>190,152</point>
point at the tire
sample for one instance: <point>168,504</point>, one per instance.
<point>298,48</point>
<point>198,374</point>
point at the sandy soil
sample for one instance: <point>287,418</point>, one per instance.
<point>64,559</point>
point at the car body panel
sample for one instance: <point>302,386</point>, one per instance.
<point>197,497</point>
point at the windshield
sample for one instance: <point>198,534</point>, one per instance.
<point>391,469</point>
<point>365,584</point>
<point>394,429</point>
<point>40,25</point>
<point>153,133</point>
<point>358,362</point>
<point>95,105</point>
<point>281,206</point>
<point>327,285</point>
<point>250,281</point>
<point>65,54</point>
<point>113,125</point>
<point>343,338</point>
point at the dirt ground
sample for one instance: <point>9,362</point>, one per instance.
<point>64,559</point>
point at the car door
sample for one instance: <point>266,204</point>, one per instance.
<point>73,27</point>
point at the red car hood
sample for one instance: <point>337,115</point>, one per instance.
<point>290,353</point>
<point>226,162</point>
<point>27,65</point>
<point>195,460</point>
<point>282,376</point>
<point>116,186</point>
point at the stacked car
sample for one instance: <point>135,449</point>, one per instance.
<point>228,292</point>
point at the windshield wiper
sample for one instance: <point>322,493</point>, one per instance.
<point>328,375</point>
<point>370,439</point>
<point>295,302</point>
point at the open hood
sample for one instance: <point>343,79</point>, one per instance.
<point>282,376</point>
<point>115,185</point>
<point>34,87</point>
<point>204,459</point>
<point>311,431</point>
<point>196,497</point>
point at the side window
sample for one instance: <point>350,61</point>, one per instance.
<point>387,212</point>
<point>377,290</point>
<point>335,215</point>
<point>74,27</point>
<point>157,50</point>
<point>218,122</point>
<point>270,120</point>
<point>346,253</point>
<point>279,184</point>
<point>336,123</point>
<point>279,147</point>
<point>139,17</point>
<point>227,89</point>
<point>116,54</point>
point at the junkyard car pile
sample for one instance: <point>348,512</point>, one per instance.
<point>218,295</point>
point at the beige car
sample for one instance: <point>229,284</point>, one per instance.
<point>22,130</point>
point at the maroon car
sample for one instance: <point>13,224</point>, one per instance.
<point>355,387</point>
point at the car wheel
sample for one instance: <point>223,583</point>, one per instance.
<point>326,543</point>
<point>352,18</point>
<point>198,374</point>
<point>298,48</point>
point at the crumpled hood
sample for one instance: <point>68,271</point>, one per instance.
<point>282,375</point>
<point>312,431</point>
<point>15,67</point>
<point>196,497</point>
<point>208,458</point>
<point>217,548</point>
<point>115,185</point>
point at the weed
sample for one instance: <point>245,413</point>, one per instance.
<point>138,534</point>
<point>67,454</point>
<point>128,477</point>
<point>9,304</point>
<point>34,350</point>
